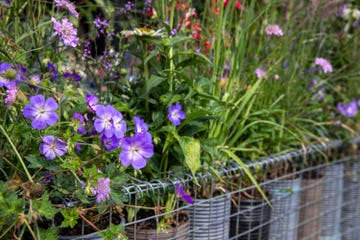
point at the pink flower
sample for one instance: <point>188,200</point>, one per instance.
<point>324,64</point>
<point>260,72</point>
<point>68,5</point>
<point>11,94</point>
<point>273,29</point>
<point>66,32</point>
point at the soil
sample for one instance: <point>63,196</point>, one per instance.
<point>172,222</point>
<point>101,222</point>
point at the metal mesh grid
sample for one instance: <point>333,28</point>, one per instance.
<point>314,192</point>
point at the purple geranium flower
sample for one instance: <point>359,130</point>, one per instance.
<point>176,114</point>
<point>135,151</point>
<point>349,109</point>
<point>181,193</point>
<point>52,147</point>
<point>141,128</point>
<point>72,76</point>
<point>92,102</point>
<point>52,68</point>
<point>119,125</point>
<point>103,123</point>
<point>110,143</point>
<point>41,111</point>
<point>102,190</point>
<point>4,66</point>
<point>66,31</point>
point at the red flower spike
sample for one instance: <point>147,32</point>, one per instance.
<point>238,4</point>
<point>217,11</point>
<point>196,35</point>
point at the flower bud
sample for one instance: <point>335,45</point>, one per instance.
<point>10,74</point>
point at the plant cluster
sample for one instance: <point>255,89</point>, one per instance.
<point>98,95</point>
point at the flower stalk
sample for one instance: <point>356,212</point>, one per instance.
<point>17,154</point>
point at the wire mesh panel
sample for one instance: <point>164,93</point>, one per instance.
<point>314,192</point>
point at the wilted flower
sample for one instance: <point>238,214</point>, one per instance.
<point>176,114</point>
<point>273,29</point>
<point>80,118</point>
<point>52,68</point>
<point>102,190</point>
<point>41,111</point>
<point>35,79</point>
<point>144,32</point>
<point>135,151</point>
<point>68,5</point>
<point>181,193</point>
<point>52,147</point>
<point>349,109</point>
<point>66,31</point>
<point>324,64</point>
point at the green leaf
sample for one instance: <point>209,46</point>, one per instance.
<point>49,234</point>
<point>151,83</point>
<point>70,217</point>
<point>44,208</point>
<point>191,150</point>
<point>114,232</point>
<point>247,172</point>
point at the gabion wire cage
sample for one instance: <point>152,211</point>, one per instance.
<point>314,194</point>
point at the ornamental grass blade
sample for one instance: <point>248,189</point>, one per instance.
<point>247,172</point>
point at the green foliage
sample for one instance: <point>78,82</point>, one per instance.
<point>71,217</point>
<point>114,232</point>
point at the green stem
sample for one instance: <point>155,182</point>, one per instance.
<point>146,73</point>
<point>171,50</point>
<point>17,154</point>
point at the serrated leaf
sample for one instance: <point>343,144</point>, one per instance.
<point>44,208</point>
<point>70,217</point>
<point>49,234</point>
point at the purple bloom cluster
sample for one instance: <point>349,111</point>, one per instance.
<point>66,31</point>
<point>181,193</point>
<point>42,111</point>
<point>68,5</point>
<point>102,190</point>
<point>349,109</point>
<point>273,29</point>
<point>52,147</point>
<point>101,25</point>
<point>175,114</point>
<point>11,91</point>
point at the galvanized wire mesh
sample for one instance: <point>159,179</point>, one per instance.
<point>314,193</point>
